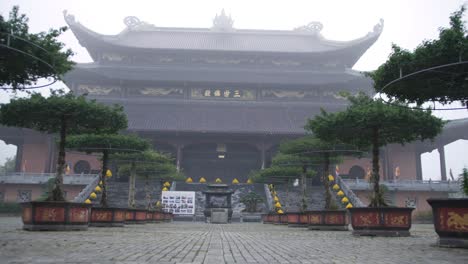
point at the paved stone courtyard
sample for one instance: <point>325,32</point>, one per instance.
<point>183,242</point>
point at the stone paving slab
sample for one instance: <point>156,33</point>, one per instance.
<point>186,242</point>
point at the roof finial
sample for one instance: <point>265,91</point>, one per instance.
<point>223,22</point>
<point>313,28</point>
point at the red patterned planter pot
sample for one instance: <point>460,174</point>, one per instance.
<point>265,218</point>
<point>451,221</point>
<point>283,219</point>
<point>381,221</point>
<point>158,217</point>
<point>149,217</point>
<point>107,217</point>
<point>327,220</point>
<point>130,216</point>
<point>294,219</point>
<point>140,216</point>
<point>55,216</point>
<point>275,219</point>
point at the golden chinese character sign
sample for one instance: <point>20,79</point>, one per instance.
<point>223,93</point>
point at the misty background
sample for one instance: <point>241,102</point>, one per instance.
<point>407,23</point>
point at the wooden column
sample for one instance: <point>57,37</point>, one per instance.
<point>443,170</point>
<point>179,157</point>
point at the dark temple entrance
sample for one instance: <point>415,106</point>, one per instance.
<point>224,161</point>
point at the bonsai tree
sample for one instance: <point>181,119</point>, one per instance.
<point>284,169</point>
<point>370,123</point>
<point>318,152</point>
<point>27,57</point>
<point>464,181</point>
<point>444,85</point>
<point>251,201</point>
<point>107,144</point>
<point>62,113</point>
<point>147,165</point>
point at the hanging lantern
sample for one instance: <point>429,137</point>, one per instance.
<point>276,199</point>
<point>349,206</point>
<point>340,193</point>
<point>189,180</point>
<point>331,178</point>
<point>280,211</point>
<point>202,180</point>
<point>277,205</point>
<point>87,201</point>
<point>100,183</point>
<point>93,195</point>
<point>344,200</point>
<point>218,180</point>
<point>336,187</point>
<point>167,184</point>
<point>235,181</point>
<point>97,189</point>
<point>108,173</point>
<point>249,181</point>
<point>165,189</point>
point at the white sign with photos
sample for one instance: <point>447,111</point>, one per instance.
<point>178,203</point>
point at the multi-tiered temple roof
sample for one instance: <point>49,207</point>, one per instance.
<point>219,79</point>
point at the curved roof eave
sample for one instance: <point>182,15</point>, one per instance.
<point>306,43</point>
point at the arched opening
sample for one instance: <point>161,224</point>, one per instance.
<point>224,161</point>
<point>8,160</point>
<point>356,172</point>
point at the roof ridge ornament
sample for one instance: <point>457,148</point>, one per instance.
<point>313,28</point>
<point>134,23</point>
<point>223,22</point>
<point>379,26</point>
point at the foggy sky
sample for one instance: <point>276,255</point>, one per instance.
<point>407,23</point>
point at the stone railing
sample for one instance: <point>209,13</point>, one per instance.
<point>84,194</point>
<point>269,198</point>
<point>41,178</point>
<point>406,185</point>
<point>348,192</point>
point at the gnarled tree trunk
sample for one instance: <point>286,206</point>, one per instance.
<point>56,194</point>
<point>105,160</point>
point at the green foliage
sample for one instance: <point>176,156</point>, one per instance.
<point>443,86</point>
<point>251,201</point>
<point>60,109</point>
<point>278,175</point>
<point>18,70</point>
<point>464,181</point>
<point>10,208</point>
<point>9,166</point>
<point>369,123</point>
<point>62,113</point>
<point>112,143</point>
<point>366,116</point>
<point>47,189</point>
<point>149,165</point>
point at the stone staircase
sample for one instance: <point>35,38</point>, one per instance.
<point>290,198</point>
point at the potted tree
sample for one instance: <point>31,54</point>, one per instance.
<point>106,144</point>
<point>251,201</point>
<point>149,165</point>
<point>368,122</point>
<point>405,77</point>
<point>62,113</point>
<point>322,153</point>
<point>285,169</point>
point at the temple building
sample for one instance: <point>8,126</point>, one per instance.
<point>220,99</point>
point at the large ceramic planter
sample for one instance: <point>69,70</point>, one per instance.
<point>135,216</point>
<point>451,221</point>
<point>149,217</point>
<point>107,217</point>
<point>297,219</point>
<point>275,219</point>
<point>55,216</point>
<point>327,220</point>
<point>265,218</point>
<point>381,221</point>
<point>158,217</point>
<point>283,219</point>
